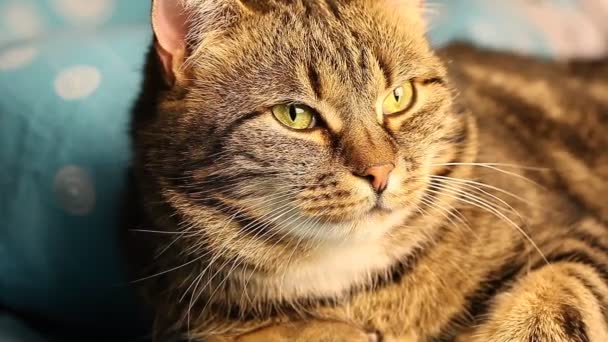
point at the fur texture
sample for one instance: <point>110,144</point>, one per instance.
<point>494,225</point>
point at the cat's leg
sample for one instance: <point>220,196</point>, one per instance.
<point>561,302</point>
<point>305,331</point>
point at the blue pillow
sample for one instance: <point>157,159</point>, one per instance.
<point>12,330</point>
<point>26,19</point>
<point>64,114</point>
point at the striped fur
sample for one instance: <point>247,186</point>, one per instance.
<point>494,226</point>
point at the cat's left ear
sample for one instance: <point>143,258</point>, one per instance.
<point>170,24</point>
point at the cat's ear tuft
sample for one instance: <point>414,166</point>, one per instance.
<point>170,25</point>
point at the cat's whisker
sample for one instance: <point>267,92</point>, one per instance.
<point>168,246</point>
<point>300,239</point>
<point>261,201</point>
<point>166,271</point>
<point>169,270</point>
<point>315,221</point>
<point>421,210</point>
<point>212,262</point>
<point>470,196</point>
<point>492,200</point>
<point>274,219</point>
<point>507,165</point>
<point>281,212</point>
<point>187,234</point>
<point>498,214</point>
<point>218,169</point>
<point>271,221</point>
<point>237,261</point>
<point>247,189</point>
<point>495,168</point>
<point>447,213</point>
<point>458,189</point>
<point>480,184</point>
<point>197,282</point>
<point>210,185</point>
<point>201,190</point>
<point>215,257</point>
<point>158,232</point>
<point>186,229</point>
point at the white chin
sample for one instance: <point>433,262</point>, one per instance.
<point>373,225</point>
<point>344,259</point>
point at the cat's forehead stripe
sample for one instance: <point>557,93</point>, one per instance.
<point>315,81</point>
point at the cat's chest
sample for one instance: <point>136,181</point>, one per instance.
<point>411,303</point>
<point>337,267</point>
<point>334,270</point>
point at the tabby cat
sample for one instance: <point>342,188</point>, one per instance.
<point>311,170</point>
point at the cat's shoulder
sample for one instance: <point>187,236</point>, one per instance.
<point>539,111</point>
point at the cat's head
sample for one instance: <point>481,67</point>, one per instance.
<point>307,121</point>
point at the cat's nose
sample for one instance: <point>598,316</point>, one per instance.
<point>378,176</point>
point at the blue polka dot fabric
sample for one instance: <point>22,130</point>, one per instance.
<point>69,72</point>
<point>66,93</point>
<point>26,19</point>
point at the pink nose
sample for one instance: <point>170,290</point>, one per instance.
<point>378,176</point>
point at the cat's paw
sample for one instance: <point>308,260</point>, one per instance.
<point>562,325</point>
<point>310,331</point>
<point>552,304</point>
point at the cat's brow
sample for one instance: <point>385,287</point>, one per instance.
<point>333,121</point>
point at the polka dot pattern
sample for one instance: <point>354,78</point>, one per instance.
<point>22,18</point>
<point>77,82</point>
<point>75,190</point>
<point>67,93</point>
<point>17,57</point>
<point>64,119</point>
<point>85,11</point>
<point>25,19</point>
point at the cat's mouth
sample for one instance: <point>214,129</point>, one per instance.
<point>380,208</point>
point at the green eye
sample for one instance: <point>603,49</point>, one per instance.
<point>294,116</point>
<point>400,99</point>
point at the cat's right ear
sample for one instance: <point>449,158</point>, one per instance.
<point>170,25</point>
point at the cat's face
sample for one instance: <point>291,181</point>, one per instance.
<point>316,119</point>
